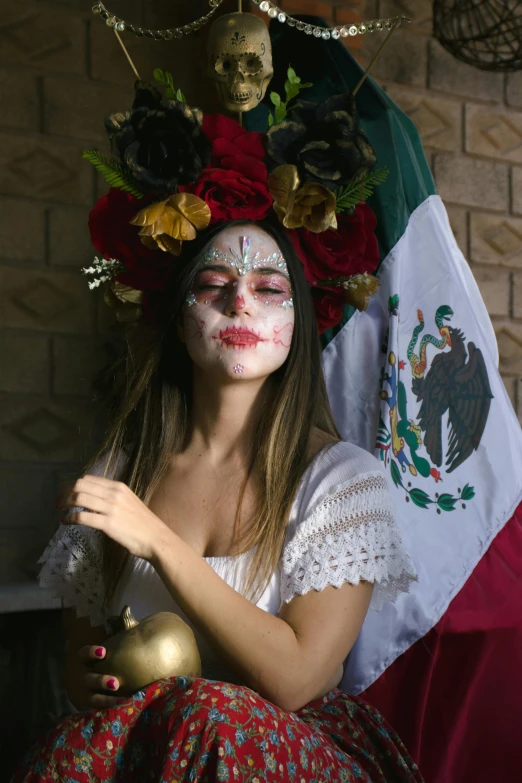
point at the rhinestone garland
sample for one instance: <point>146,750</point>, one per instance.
<point>120,24</point>
<point>326,33</point>
<point>377,25</point>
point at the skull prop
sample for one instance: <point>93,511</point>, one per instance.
<point>240,60</point>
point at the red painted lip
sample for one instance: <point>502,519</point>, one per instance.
<point>239,335</point>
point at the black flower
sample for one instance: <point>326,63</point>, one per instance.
<point>324,141</point>
<point>160,141</point>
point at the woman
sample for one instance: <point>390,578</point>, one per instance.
<point>239,507</point>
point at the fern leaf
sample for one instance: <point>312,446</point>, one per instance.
<point>113,173</point>
<point>360,190</point>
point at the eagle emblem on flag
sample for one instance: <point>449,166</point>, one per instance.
<point>450,386</point>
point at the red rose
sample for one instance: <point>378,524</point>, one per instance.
<point>350,249</point>
<point>328,309</point>
<point>231,196</point>
<point>235,148</point>
<point>113,237</point>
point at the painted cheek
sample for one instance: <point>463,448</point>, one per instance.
<point>194,327</point>
<point>283,334</point>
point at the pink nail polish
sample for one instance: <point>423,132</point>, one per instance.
<point>111,684</point>
<point>99,652</point>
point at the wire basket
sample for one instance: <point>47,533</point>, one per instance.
<point>483,33</point>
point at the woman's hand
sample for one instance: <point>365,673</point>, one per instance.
<point>100,688</point>
<point>112,507</point>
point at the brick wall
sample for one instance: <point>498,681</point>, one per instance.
<point>60,72</point>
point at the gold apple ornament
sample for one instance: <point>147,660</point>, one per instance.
<point>140,653</point>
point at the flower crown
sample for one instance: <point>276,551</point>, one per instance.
<point>175,171</point>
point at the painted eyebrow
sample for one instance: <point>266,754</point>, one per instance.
<point>270,270</point>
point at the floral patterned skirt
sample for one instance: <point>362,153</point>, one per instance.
<point>192,729</point>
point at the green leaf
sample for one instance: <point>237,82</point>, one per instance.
<point>292,92</point>
<point>420,498</point>
<point>275,98</point>
<point>292,76</point>
<point>446,502</point>
<point>270,120</point>
<point>468,493</point>
<point>158,75</point>
<point>180,97</point>
<point>114,174</point>
<point>169,93</point>
<point>280,113</point>
<point>170,80</point>
<point>358,191</point>
<point>396,474</point>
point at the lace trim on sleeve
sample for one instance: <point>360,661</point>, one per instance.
<point>72,570</point>
<point>351,535</point>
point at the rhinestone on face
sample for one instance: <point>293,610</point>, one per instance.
<point>264,6</point>
<point>267,304</point>
<point>207,301</point>
<point>238,368</point>
<point>191,299</point>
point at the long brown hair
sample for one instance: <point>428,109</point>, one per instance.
<point>151,405</point>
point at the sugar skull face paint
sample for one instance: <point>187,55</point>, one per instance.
<point>241,302</point>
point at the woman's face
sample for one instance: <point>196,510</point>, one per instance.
<point>238,319</point>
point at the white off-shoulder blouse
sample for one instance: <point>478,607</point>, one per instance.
<point>341,529</point>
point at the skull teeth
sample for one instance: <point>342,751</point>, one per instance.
<point>240,96</point>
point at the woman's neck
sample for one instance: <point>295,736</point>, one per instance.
<point>224,416</point>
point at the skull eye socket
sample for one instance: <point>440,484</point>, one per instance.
<point>225,65</point>
<point>251,63</point>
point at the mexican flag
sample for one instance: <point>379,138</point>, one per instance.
<point>415,380</point>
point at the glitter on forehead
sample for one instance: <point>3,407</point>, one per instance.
<point>246,261</point>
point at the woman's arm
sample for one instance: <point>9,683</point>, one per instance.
<point>287,659</point>
<point>86,689</point>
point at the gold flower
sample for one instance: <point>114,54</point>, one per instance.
<point>310,205</point>
<point>124,300</point>
<point>358,290</point>
<point>166,224</point>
